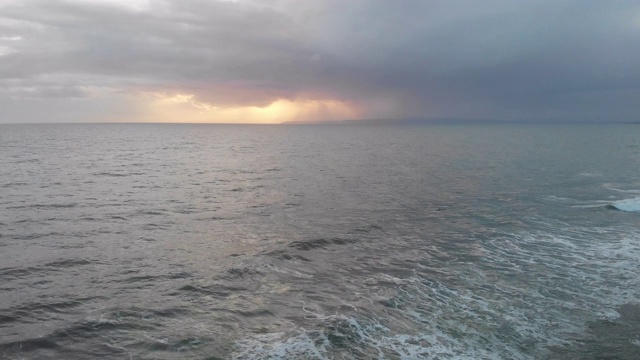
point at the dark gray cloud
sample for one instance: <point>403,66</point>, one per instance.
<point>545,59</point>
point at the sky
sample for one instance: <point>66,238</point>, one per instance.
<point>272,61</point>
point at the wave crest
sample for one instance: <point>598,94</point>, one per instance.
<point>628,204</point>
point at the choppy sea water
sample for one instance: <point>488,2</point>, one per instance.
<point>319,242</point>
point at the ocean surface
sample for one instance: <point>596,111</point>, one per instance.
<point>133,241</point>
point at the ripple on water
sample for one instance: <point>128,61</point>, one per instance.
<point>524,297</point>
<point>21,272</point>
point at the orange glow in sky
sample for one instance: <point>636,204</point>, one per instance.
<point>159,107</point>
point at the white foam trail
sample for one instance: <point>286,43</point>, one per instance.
<point>590,174</point>
<point>372,340</point>
<point>527,293</point>
<point>558,198</point>
<point>628,204</point>
<point>612,187</point>
<point>587,206</point>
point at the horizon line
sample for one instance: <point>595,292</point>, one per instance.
<point>369,121</point>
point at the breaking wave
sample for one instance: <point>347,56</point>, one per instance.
<point>628,204</point>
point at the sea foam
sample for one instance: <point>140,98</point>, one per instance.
<point>628,204</point>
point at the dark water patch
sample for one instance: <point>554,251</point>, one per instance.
<point>151,212</point>
<point>38,311</point>
<point>34,236</point>
<point>28,345</point>
<point>153,278</point>
<point>253,313</point>
<point>170,312</point>
<point>41,282</point>
<point>117,217</point>
<point>284,255</point>
<point>70,263</point>
<point>78,245</point>
<point>179,275</point>
<point>88,329</point>
<point>15,184</point>
<point>212,290</point>
<point>153,226</point>
<point>241,272</point>
<point>23,221</point>
<point>216,218</point>
<point>369,229</point>
<point>306,245</point>
<point>44,206</point>
<point>212,358</point>
<point>52,266</point>
<point>27,161</point>
<point>110,174</point>
<point>4,318</point>
<point>89,218</point>
<point>16,272</point>
<point>187,210</point>
<point>143,278</point>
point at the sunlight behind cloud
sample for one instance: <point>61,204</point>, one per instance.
<point>136,5</point>
<point>283,60</point>
<point>159,107</point>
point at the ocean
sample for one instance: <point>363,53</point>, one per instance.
<point>461,241</point>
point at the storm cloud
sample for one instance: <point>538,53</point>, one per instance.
<point>100,60</point>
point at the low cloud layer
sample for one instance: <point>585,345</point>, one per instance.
<point>281,60</point>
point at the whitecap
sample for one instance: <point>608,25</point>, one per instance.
<point>590,174</point>
<point>628,204</point>
<point>614,187</point>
